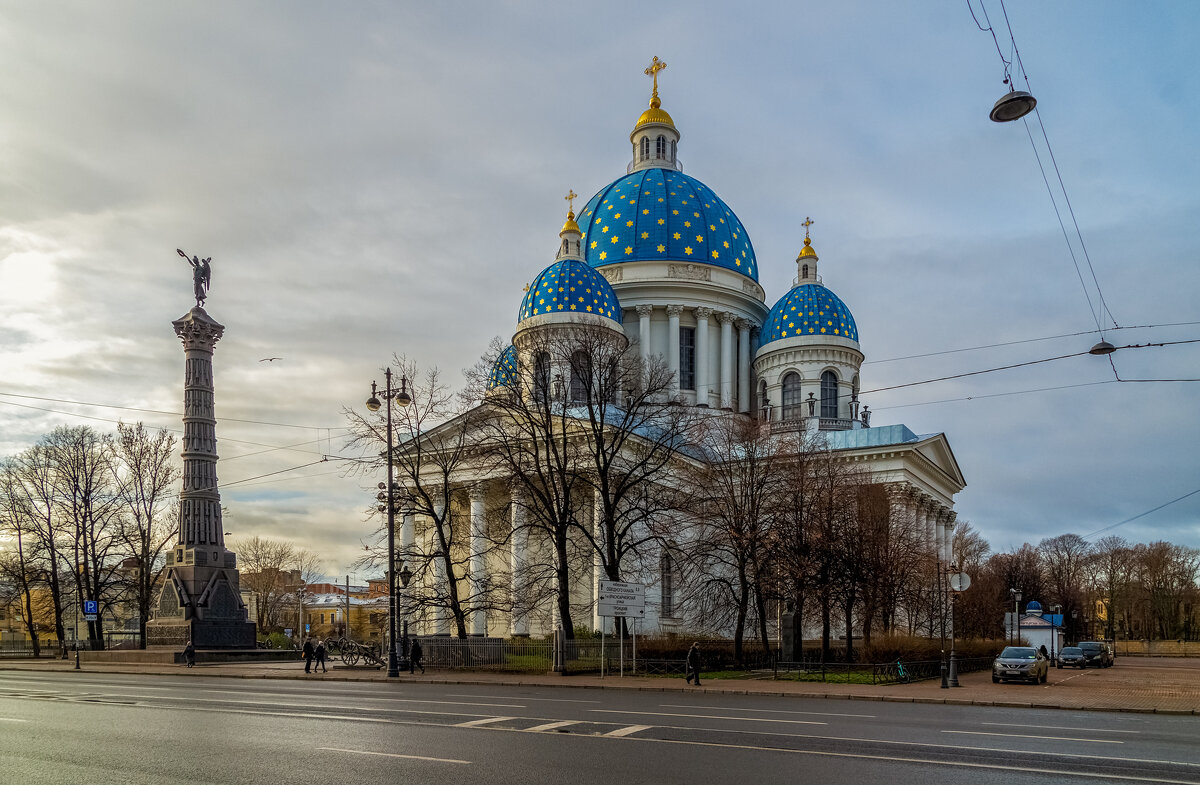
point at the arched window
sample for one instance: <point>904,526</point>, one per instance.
<point>829,394</point>
<point>581,376</point>
<point>660,147</point>
<point>645,147</point>
<point>672,151</point>
<point>541,376</point>
<point>791,397</point>
<point>804,274</point>
<point>666,572</point>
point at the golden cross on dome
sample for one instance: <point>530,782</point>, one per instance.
<point>656,65</point>
<point>571,197</point>
<point>807,222</point>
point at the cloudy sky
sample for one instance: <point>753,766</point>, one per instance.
<point>372,178</point>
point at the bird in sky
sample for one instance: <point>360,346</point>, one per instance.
<point>270,359</point>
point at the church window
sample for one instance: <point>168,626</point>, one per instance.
<point>804,274</point>
<point>581,373</point>
<point>660,147</point>
<point>672,150</point>
<point>667,585</point>
<point>541,376</point>
<point>645,147</point>
<point>791,396</point>
<point>687,358</point>
<point>829,394</point>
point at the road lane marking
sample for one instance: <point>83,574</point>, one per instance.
<point>1056,727</point>
<point>706,716</point>
<point>772,711</point>
<point>12,719</point>
<point>551,726</point>
<point>393,755</point>
<point>484,721</point>
<point>520,698</point>
<point>1028,736</point>
<point>622,732</point>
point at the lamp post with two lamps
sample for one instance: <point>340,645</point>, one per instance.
<point>402,398</point>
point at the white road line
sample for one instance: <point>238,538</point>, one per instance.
<point>12,719</point>
<point>484,721</point>
<point>1029,736</point>
<point>771,711</point>
<point>706,716</point>
<point>393,755</point>
<point>551,726</point>
<point>622,732</point>
<point>1055,727</point>
<point>521,698</point>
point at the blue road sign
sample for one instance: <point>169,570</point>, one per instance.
<point>91,607</point>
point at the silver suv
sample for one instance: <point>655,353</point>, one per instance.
<point>1023,663</point>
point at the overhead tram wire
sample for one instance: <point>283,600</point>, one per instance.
<point>1142,515</point>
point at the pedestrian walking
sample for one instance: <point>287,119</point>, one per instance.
<point>308,652</point>
<point>414,657</point>
<point>189,654</point>
<point>320,655</point>
<point>693,664</point>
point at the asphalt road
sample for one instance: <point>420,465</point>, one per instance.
<point>64,728</point>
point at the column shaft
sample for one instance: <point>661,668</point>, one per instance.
<point>478,547</point>
<point>703,380</point>
<point>726,360</point>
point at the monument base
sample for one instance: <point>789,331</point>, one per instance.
<point>201,603</point>
<point>202,633</point>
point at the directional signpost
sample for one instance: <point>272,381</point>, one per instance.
<point>621,600</point>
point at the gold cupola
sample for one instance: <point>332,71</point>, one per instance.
<point>806,262</point>
<point>654,136</point>
<point>570,233</point>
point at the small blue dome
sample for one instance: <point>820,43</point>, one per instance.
<point>660,214</point>
<point>570,285</point>
<point>504,370</point>
<point>809,309</point>
<point>1033,605</point>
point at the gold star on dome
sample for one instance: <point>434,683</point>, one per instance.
<point>603,255</point>
<point>661,221</point>
<point>593,243</point>
<point>646,211</point>
<point>662,248</point>
<point>716,255</point>
<point>628,249</point>
<point>604,229</point>
<point>629,223</point>
<point>677,235</point>
<point>614,239</point>
<point>688,250</point>
<point>645,235</point>
<point>699,238</point>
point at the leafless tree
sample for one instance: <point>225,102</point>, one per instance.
<point>267,568</point>
<point>144,471</point>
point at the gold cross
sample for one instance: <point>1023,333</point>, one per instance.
<point>807,222</point>
<point>571,197</point>
<point>656,65</point>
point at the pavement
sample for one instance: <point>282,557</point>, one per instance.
<point>1134,684</point>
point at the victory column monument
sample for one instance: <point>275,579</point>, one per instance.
<point>200,600</point>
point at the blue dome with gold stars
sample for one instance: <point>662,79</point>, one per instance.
<point>659,214</point>
<point>809,309</point>
<point>504,370</point>
<point>569,286</point>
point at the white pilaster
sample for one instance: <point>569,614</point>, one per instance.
<point>598,536</point>
<point>703,380</point>
<point>673,312</point>
<point>743,374</point>
<point>726,359</point>
<point>478,548</point>
<point>519,623</point>
<point>441,621</point>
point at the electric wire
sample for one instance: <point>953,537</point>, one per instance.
<point>994,395</point>
<point>1142,515</point>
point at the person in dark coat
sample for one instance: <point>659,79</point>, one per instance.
<point>414,657</point>
<point>189,654</point>
<point>319,653</point>
<point>308,652</point>
<point>693,664</point>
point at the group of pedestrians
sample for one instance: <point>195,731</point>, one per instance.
<point>314,656</point>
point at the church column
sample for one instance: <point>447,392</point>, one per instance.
<point>441,616</point>
<point>949,516</point>
<point>519,622</point>
<point>743,399</point>
<point>702,375</point>
<point>478,579</point>
<point>643,312</point>
<point>597,565</point>
<point>673,312</point>
<point>726,359</point>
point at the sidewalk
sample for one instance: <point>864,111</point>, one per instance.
<point>1159,685</point>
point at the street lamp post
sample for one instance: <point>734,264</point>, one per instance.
<point>1054,610</point>
<point>1016,595</point>
<point>405,576</point>
<point>404,399</point>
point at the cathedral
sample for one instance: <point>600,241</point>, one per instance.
<point>660,262</point>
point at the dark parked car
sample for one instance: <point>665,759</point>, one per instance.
<point>1071,657</point>
<point>1020,662</point>
<point>1096,653</point>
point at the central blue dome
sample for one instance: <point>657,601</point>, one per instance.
<point>661,214</point>
<point>809,309</point>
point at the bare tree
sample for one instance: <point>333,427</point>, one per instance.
<point>144,470</point>
<point>1112,571</point>
<point>19,562</point>
<point>267,570</point>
